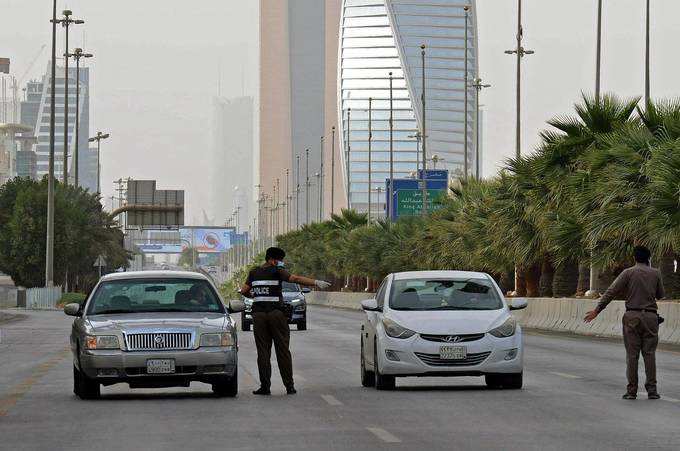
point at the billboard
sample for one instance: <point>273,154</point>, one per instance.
<point>156,248</point>
<point>149,207</point>
<point>206,240</point>
<point>408,194</point>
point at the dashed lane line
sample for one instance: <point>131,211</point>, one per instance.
<point>666,398</point>
<point>383,435</point>
<point>331,400</point>
<point>567,375</point>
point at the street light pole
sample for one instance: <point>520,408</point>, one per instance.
<point>349,149</point>
<point>370,142</point>
<point>478,85</point>
<point>321,182</point>
<point>390,193</point>
<point>647,58</point>
<point>520,52</point>
<point>66,23</point>
<point>598,58</point>
<point>49,242</point>
<point>423,134</point>
<point>307,185</point>
<point>98,137</point>
<point>465,133</point>
<point>297,193</point>
<point>287,210</point>
<point>77,54</point>
<point>333,170</point>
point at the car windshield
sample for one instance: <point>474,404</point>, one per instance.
<point>290,287</point>
<point>154,295</point>
<point>444,294</point>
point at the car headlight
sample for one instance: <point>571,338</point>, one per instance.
<point>216,340</point>
<point>295,301</point>
<point>101,342</point>
<point>394,330</point>
<point>507,329</point>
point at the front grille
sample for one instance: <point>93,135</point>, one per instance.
<point>152,341</point>
<point>453,338</point>
<point>471,359</point>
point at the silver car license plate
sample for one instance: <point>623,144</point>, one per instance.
<point>452,352</point>
<point>160,366</point>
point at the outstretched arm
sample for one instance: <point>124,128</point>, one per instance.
<point>302,280</point>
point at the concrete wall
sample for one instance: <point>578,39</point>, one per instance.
<point>8,297</point>
<point>558,315</point>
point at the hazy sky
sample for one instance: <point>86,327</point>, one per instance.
<point>156,64</point>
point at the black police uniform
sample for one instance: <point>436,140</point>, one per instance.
<point>270,322</point>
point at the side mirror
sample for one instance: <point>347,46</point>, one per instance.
<point>518,304</point>
<point>371,305</point>
<point>306,290</point>
<point>72,309</point>
<point>236,305</point>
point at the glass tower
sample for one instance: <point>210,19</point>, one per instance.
<point>382,36</point>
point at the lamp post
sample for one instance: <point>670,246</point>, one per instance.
<point>349,149</point>
<point>333,170</point>
<point>436,159</point>
<point>647,58</point>
<point>66,22</point>
<point>297,193</point>
<point>287,210</point>
<point>307,185</point>
<point>598,57</point>
<point>370,142</point>
<point>465,132</point>
<point>423,134</point>
<point>478,85</point>
<point>321,184</point>
<point>98,137</point>
<point>49,241</point>
<point>390,212</point>
<point>417,136</point>
<point>520,52</point>
<point>76,55</point>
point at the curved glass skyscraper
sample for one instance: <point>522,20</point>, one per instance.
<point>382,36</point>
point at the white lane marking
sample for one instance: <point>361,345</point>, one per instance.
<point>299,377</point>
<point>383,435</point>
<point>568,376</point>
<point>331,400</point>
<point>666,398</point>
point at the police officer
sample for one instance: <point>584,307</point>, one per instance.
<point>270,322</point>
<point>641,285</point>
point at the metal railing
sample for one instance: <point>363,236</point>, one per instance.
<point>43,298</point>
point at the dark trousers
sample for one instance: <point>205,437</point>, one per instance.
<point>641,335</point>
<point>267,327</point>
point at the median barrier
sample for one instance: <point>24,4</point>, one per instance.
<point>560,315</point>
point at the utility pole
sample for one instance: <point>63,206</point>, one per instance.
<point>307,185</point>
<point>370,142</point>
<point>423,178</point>
<point>319,179</point>
<point>66,22</point>
<point>287,214</point>
<point>478,85</point>
<point>390,213</point>
<point>647,59</point>
<point>98,137</point>
<point>297,193</point>
<point>333,170</point>
<point>349,150</point>
<point>49,242</point>
<point>417,136</point>
<point>598,58</point>
<point>321,182</point>
<point>77,54</point>
<point>467,87</point>
<point>520,52</point>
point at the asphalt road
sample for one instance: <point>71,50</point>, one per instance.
<point>571,400</point>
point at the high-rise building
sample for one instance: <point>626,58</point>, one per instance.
<point>232,169</point>
<point>42,120</point>
<point>87,167</point>
<point>298,102</point>
<point>383,36</point>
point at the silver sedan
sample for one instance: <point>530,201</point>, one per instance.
<point>154,329</point>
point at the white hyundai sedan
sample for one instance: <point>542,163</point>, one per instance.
<point>440,323</point>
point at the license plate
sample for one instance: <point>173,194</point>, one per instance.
<point>452,352</point>
<point>160,366</point>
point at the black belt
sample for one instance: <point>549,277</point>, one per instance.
<point>641,310</point>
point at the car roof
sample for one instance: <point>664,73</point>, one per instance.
<point>440,274</point>
<point>154,275</point>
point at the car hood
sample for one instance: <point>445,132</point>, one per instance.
<point>156,320</point>
<point>449,322</point>
<point>290,295</point>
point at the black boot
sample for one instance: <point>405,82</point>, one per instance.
<point>291,390</point>
<point>262,391</point>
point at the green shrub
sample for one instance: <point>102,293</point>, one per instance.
<point>72,298</point>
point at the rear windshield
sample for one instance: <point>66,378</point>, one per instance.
<point>447,294</point>
<point>154,295</point>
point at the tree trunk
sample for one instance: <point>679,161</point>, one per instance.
<point>547,274</point>
<point>606,278</point>
<point>532,276</point>
<point>671,278</point>
<point>565,280</point>
<point>520,282</point>
<point>583,284</point>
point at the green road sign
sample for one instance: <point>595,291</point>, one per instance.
<point>410,201</point>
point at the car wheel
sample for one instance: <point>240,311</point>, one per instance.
<point>382,382</point>
<point>83,386</point>
<point>245,325</point>
<point>367,377</point>
<point>227,387</point>
<point>511,381</point>
<point>302,324</point>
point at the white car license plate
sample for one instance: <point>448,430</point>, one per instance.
<point>452,352</point>
<point>160,366</point>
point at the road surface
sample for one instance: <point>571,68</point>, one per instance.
<point>571,400</point>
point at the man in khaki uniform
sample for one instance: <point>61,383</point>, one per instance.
<point>641,285</point>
